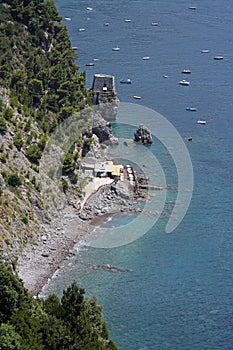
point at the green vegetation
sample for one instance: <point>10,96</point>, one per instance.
<point>3,126</point>
<point>38,65</point>
<point>74,322</point>
<point>18,141</point>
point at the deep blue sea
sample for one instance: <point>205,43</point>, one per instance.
<point>179,294</point>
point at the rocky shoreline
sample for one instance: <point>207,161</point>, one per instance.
<point>39,262</point>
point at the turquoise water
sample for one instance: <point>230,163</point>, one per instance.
<point>179,294</point>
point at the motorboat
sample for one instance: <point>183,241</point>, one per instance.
<point>127,20</point>
<point>146,58</point>
<point>115,49</point>
<point>74,48</point>
<point>186,71</point>
<point>205,51</point>
<point>89,9</point>
<point>192,8</point>
<point>184,82</point>
<point>125,81</point>
<point>203,122</point>
<point>106,24</point>
<point>218,58</point>
<point>89,64</point>
<point>67,19</point>
<point>191,109</point>
<point>154,24</point>
<point>95,59</point>
<point>81,29</point>
<point>165,76</point>
<point>137,97</point>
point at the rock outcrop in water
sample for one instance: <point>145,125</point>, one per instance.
<point>143,135</point>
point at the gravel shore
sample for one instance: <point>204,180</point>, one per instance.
<point>39,262</point>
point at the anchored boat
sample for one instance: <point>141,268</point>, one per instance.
<point>184,82</point>
<point>125,81</point>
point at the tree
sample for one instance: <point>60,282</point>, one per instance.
<point>72,303</point>
<point>68,165</point>
<point>14,180</point>
<point>8,113</point>
<point>3,126</point>
<point>12,293</point>
<point>9,338</point>
<point>18,141</point>
<point>33,153</point>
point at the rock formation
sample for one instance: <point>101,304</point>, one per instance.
<point>143,135</point>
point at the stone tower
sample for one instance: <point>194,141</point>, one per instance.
<point>104,95</point>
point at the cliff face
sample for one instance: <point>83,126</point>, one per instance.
<point>40,88</point>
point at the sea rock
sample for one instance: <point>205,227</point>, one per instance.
<point>143,135</point>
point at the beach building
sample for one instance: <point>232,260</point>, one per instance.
<point>102,169</point>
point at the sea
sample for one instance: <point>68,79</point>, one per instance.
<point>177,293</point>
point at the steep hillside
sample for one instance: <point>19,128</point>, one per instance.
<point>40,87</point>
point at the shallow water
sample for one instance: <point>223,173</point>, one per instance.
<point>179,294</point>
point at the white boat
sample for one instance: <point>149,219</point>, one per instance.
<point>67,19</point>
<point>205,51</point>
<point>89,9</point>
<point>115,49</point>
<point>74,48</point>
<point>106,24</point>
<point>165,76</point>
<point>96,59</point>
<point>127,20</point>
<point>89,64</point>
<point>154,24</point>
<point>184,82</point>
<point>146,58</point>
<point>203,122</point>
<point>192,8</point>
<point>191,109</point>
<point>218,58</point>
<point>186,71</point>
<point>125,81</point>
<point>137,97</point>
<point>81,29</point>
